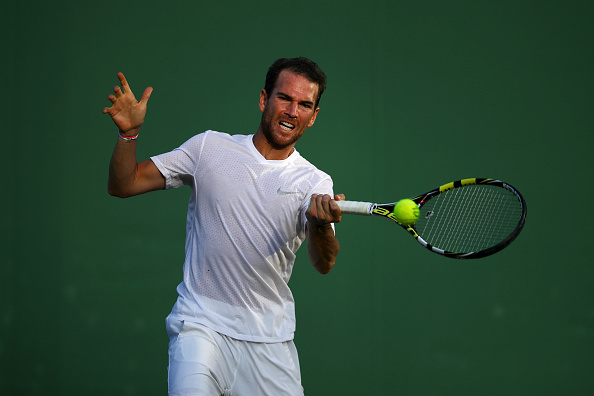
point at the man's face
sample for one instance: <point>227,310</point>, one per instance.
<point>288,110</point>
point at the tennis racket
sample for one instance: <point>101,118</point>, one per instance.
<point>465,219</point>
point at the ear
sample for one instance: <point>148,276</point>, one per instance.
<point>313,118</point>
<point>263,99</point>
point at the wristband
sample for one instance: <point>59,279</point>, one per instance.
<point>126,138</point>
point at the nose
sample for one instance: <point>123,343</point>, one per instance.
<point>291,110</point>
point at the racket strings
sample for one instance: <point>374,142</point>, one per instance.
<point>470,218</point>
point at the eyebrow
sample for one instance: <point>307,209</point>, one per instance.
<point>307,102</point>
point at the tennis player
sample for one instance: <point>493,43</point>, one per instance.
<point>254,201</point>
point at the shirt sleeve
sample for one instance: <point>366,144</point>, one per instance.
<point>325,186</point>
<point>178,167</point>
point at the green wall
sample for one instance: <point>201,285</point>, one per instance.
<point>440,90</point>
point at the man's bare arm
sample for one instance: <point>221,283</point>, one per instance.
<point>322,244</point>
<point>127,177</point>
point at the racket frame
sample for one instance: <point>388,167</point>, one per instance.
<point>387,211</point>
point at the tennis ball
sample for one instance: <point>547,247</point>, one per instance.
<point>406,212</point>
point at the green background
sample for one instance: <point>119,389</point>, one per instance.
<point>419,94</point>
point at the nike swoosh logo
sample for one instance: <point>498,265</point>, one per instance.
<point>281,192</point>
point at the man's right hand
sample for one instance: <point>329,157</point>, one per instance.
<point>125,111</point>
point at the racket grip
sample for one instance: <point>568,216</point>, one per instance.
<point>355,207</point>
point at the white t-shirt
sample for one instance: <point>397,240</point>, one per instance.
<point>246,219</point>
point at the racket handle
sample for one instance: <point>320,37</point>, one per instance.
<point>355,207</point>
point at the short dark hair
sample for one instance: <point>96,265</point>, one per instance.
<point>301,66</point>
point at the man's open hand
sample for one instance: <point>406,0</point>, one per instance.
<point>126,112</point>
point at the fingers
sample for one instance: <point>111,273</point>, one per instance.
<point>321,204</point>
<point>113,99</point>
<point>124,83</point>
<point>339,197</point>
<point>323,209</point>
<point>146,95</point>
<point>119,93</point>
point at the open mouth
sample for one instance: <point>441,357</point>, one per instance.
<point>286,126</point>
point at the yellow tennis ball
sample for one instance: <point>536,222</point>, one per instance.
<point>406,212</point>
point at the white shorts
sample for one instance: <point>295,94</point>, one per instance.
<point>204,362</point>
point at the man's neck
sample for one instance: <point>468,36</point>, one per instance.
<point>269,152</point>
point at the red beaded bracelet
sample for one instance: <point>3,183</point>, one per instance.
<point>126,138</point>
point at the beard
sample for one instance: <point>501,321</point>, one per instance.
<point>278,141</point>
